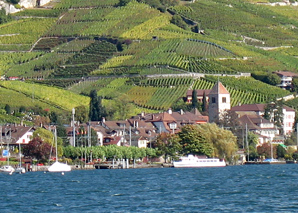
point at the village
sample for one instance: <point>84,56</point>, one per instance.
<point>142,130</point>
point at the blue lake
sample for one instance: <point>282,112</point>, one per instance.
<point>250,188</point>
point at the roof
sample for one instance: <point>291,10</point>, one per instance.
<point>286,73</point>
<point>256,108</point>
<point>249,107</point>
<point>219,88</point>
<point>253,121</point>
<point>200,92</point>
<point>288,109</point>
<point>16,132</point>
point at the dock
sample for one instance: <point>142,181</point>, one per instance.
<point>264,162</point>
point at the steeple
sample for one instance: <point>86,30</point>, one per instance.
<point>219,101</point>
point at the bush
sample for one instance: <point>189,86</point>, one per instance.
<point>177,20</point>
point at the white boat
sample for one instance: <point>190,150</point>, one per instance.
<point>193,161</point>
<point>7,168</point>
<point>20,169</point>
<point>57,166</point>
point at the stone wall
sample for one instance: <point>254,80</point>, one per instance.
<point>23,3</point>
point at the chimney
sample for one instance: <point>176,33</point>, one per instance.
<point>170,111</point>
<point>181,112</point>
<point>103,119</point>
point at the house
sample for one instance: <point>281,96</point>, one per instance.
<point>15,135</point>
<point>286,79</point>
<point>171,122</point>
<point>265,129</point>
<point>259,109</point>
<point>200,95</point>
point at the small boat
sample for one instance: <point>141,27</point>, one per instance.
<point>7,168</point>
<point>194,161</point>
<point>57,166</point>
<point>20,169</point>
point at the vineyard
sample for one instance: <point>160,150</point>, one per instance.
<point>61,99</point>
<point>84,45</point>
<point>21,34</point>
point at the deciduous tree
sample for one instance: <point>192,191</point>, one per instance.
<point>193,142</point>
<point>168,144</point>
<point>38,149</point>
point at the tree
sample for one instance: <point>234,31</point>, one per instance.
<point>53,117</point>
<point>121,108</point>
<point>61,133</point>
<point>280,151</point>
<point>48,137</point>
<point>194,101</point>
<point>229,120</point>
<point>38,149</point>
<point>223,141</point>
<point>272,79</point>
<point>265,150</point>
<point>96,111</point>
<point>193,142</point>
<point>253,141</point>
<point>123,2</point>
<point>181,104</point>
<point>7,109</point>
<point>3,17</point>
<point>13,1</point>
<point>22,109</point>
<point>205,105</point>
<point>177,20</point>
<point>81,114</point>
<point>168,145</point>
<point>274,113</point>
<point>295,84</point>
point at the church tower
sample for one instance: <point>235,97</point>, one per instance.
<point>219,101</point>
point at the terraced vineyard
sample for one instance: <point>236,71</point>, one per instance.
<point>58,98</point>
<point>117,50</point>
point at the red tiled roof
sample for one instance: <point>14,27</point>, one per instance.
<point>219,88</point>
<point>200,92</point>
<point>286,73</point>
<point>249,107</point>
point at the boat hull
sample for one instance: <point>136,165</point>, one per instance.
<point>20,170</point>
<point>194,162</point>
<point>8,169</point>
<point>59,167</point>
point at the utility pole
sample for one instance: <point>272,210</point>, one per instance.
<point>297,135</point>
<point>89,135</point>
<point>247,145</point>
<point>74,127</point>
<point>129,135</point>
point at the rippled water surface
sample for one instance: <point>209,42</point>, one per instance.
<point>253,188</point>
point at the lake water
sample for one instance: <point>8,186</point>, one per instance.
<point>249,188</point>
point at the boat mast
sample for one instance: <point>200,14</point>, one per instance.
<point>20,154</point>
<point>56,144</point>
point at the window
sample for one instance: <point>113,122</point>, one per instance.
<point>213,100</point>
<point>224,100</point>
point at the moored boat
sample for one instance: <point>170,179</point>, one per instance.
<point>7,168</point>
<point>20,170</point>
<point>194,161</point>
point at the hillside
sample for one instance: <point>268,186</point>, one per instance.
<point>125,52</point>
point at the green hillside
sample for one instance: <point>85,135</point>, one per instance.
<point>113,47</point>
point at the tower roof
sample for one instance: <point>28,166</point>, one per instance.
<point>219,88</point>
